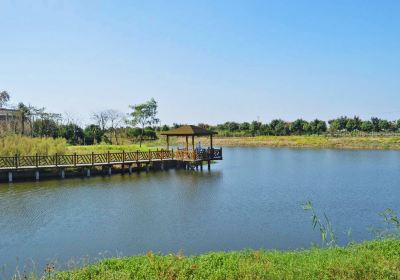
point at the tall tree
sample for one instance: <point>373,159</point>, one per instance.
<point>102,119</point>
<point>115,118</point>
<point>144,114</point>
<point>4,98</point>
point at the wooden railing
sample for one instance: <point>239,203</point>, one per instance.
<point>201,154</point>
<point>37,161</point>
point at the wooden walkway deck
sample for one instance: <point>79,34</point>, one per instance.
<point>38,162</point>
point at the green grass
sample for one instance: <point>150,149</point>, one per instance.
<point>11,145</point>
<point>368,260</point>
<point>106,148</point>
<point>315,141</point>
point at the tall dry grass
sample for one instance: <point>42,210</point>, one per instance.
<point>15,144</point>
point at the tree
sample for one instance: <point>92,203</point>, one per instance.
<point>318,126</point>
<point>115,119</point>
<point>144,114</point>
<point>298,126</point>
<point>4,98</point>
<point>255,128</point>
<point>101,118</point>
<point>72,133</point>
<point>367,126</point>
<point>24,113</point>
<point>375,124</point>
<point>279,127</point>
<point>244,126</point>
<point>92,134</point>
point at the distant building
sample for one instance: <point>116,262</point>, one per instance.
<point>8,114</point>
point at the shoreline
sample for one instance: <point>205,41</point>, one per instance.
<point>313,142</point>
<point>379,259</point>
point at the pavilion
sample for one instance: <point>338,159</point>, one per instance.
<point>192,131</point>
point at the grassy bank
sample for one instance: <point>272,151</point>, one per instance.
<point>369,260</point>
<point>15,144</point>
<point>105,148</point>
<point>345,142</point>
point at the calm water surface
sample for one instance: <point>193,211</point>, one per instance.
<point>252,199</point>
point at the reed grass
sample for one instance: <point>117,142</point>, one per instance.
<point>14,144</point>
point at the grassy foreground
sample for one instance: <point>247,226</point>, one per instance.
<point>368,260</point>
<point>344,142</point>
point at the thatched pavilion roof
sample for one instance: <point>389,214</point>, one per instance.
<point>188,130</point>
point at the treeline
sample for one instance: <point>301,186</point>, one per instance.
<point>278,127</point>
<point>114,127</point>
<point>108,126</point>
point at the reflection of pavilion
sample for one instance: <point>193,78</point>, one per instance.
<point>194,155</point>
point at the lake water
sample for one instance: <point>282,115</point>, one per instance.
<point>252,199</point>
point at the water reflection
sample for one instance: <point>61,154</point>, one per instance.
<point>252,199</point>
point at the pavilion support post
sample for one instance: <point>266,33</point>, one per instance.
<point>211,141</point>
<point>167,142</point>
<point>193,150</point>
<point>187,143</point>
<point>10,176</point>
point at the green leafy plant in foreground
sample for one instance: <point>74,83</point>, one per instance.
<point>328,236</point>
<point>391,227</point>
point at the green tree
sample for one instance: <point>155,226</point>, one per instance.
<point>384,125</point>
<point>144,114</point>
<point>92,134</point>
<point>23,112</point>
<point>72,133</point>
<point>244,126</point>
<point>298,126</point>
<point>375,124</point>
<point>255,128</point>
<point>279,127</point>
<point>367,126</point>
<point>318,126</point>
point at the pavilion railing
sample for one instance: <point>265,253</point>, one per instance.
<point>199,154</point>
<point>18,161</point>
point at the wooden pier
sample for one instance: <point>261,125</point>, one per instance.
<point>160,158</point>
<point>185,157</point>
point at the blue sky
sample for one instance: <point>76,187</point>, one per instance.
<point>204,61</point>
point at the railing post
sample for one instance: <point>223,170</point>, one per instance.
<point>108,156</point>
<point>16,161</point>
<point>37,160</point>
<point>137,155</point>
<point>75,159</point>
<point>123,156</point>
<point>92,158</point>
<point>149,155</point>
<point>172,153</point>
<point>162,154</point>
<point>56,159</point>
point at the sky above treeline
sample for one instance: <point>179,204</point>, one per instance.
<point>204,61</point>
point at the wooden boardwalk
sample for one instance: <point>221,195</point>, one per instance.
<point>38,162</point>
